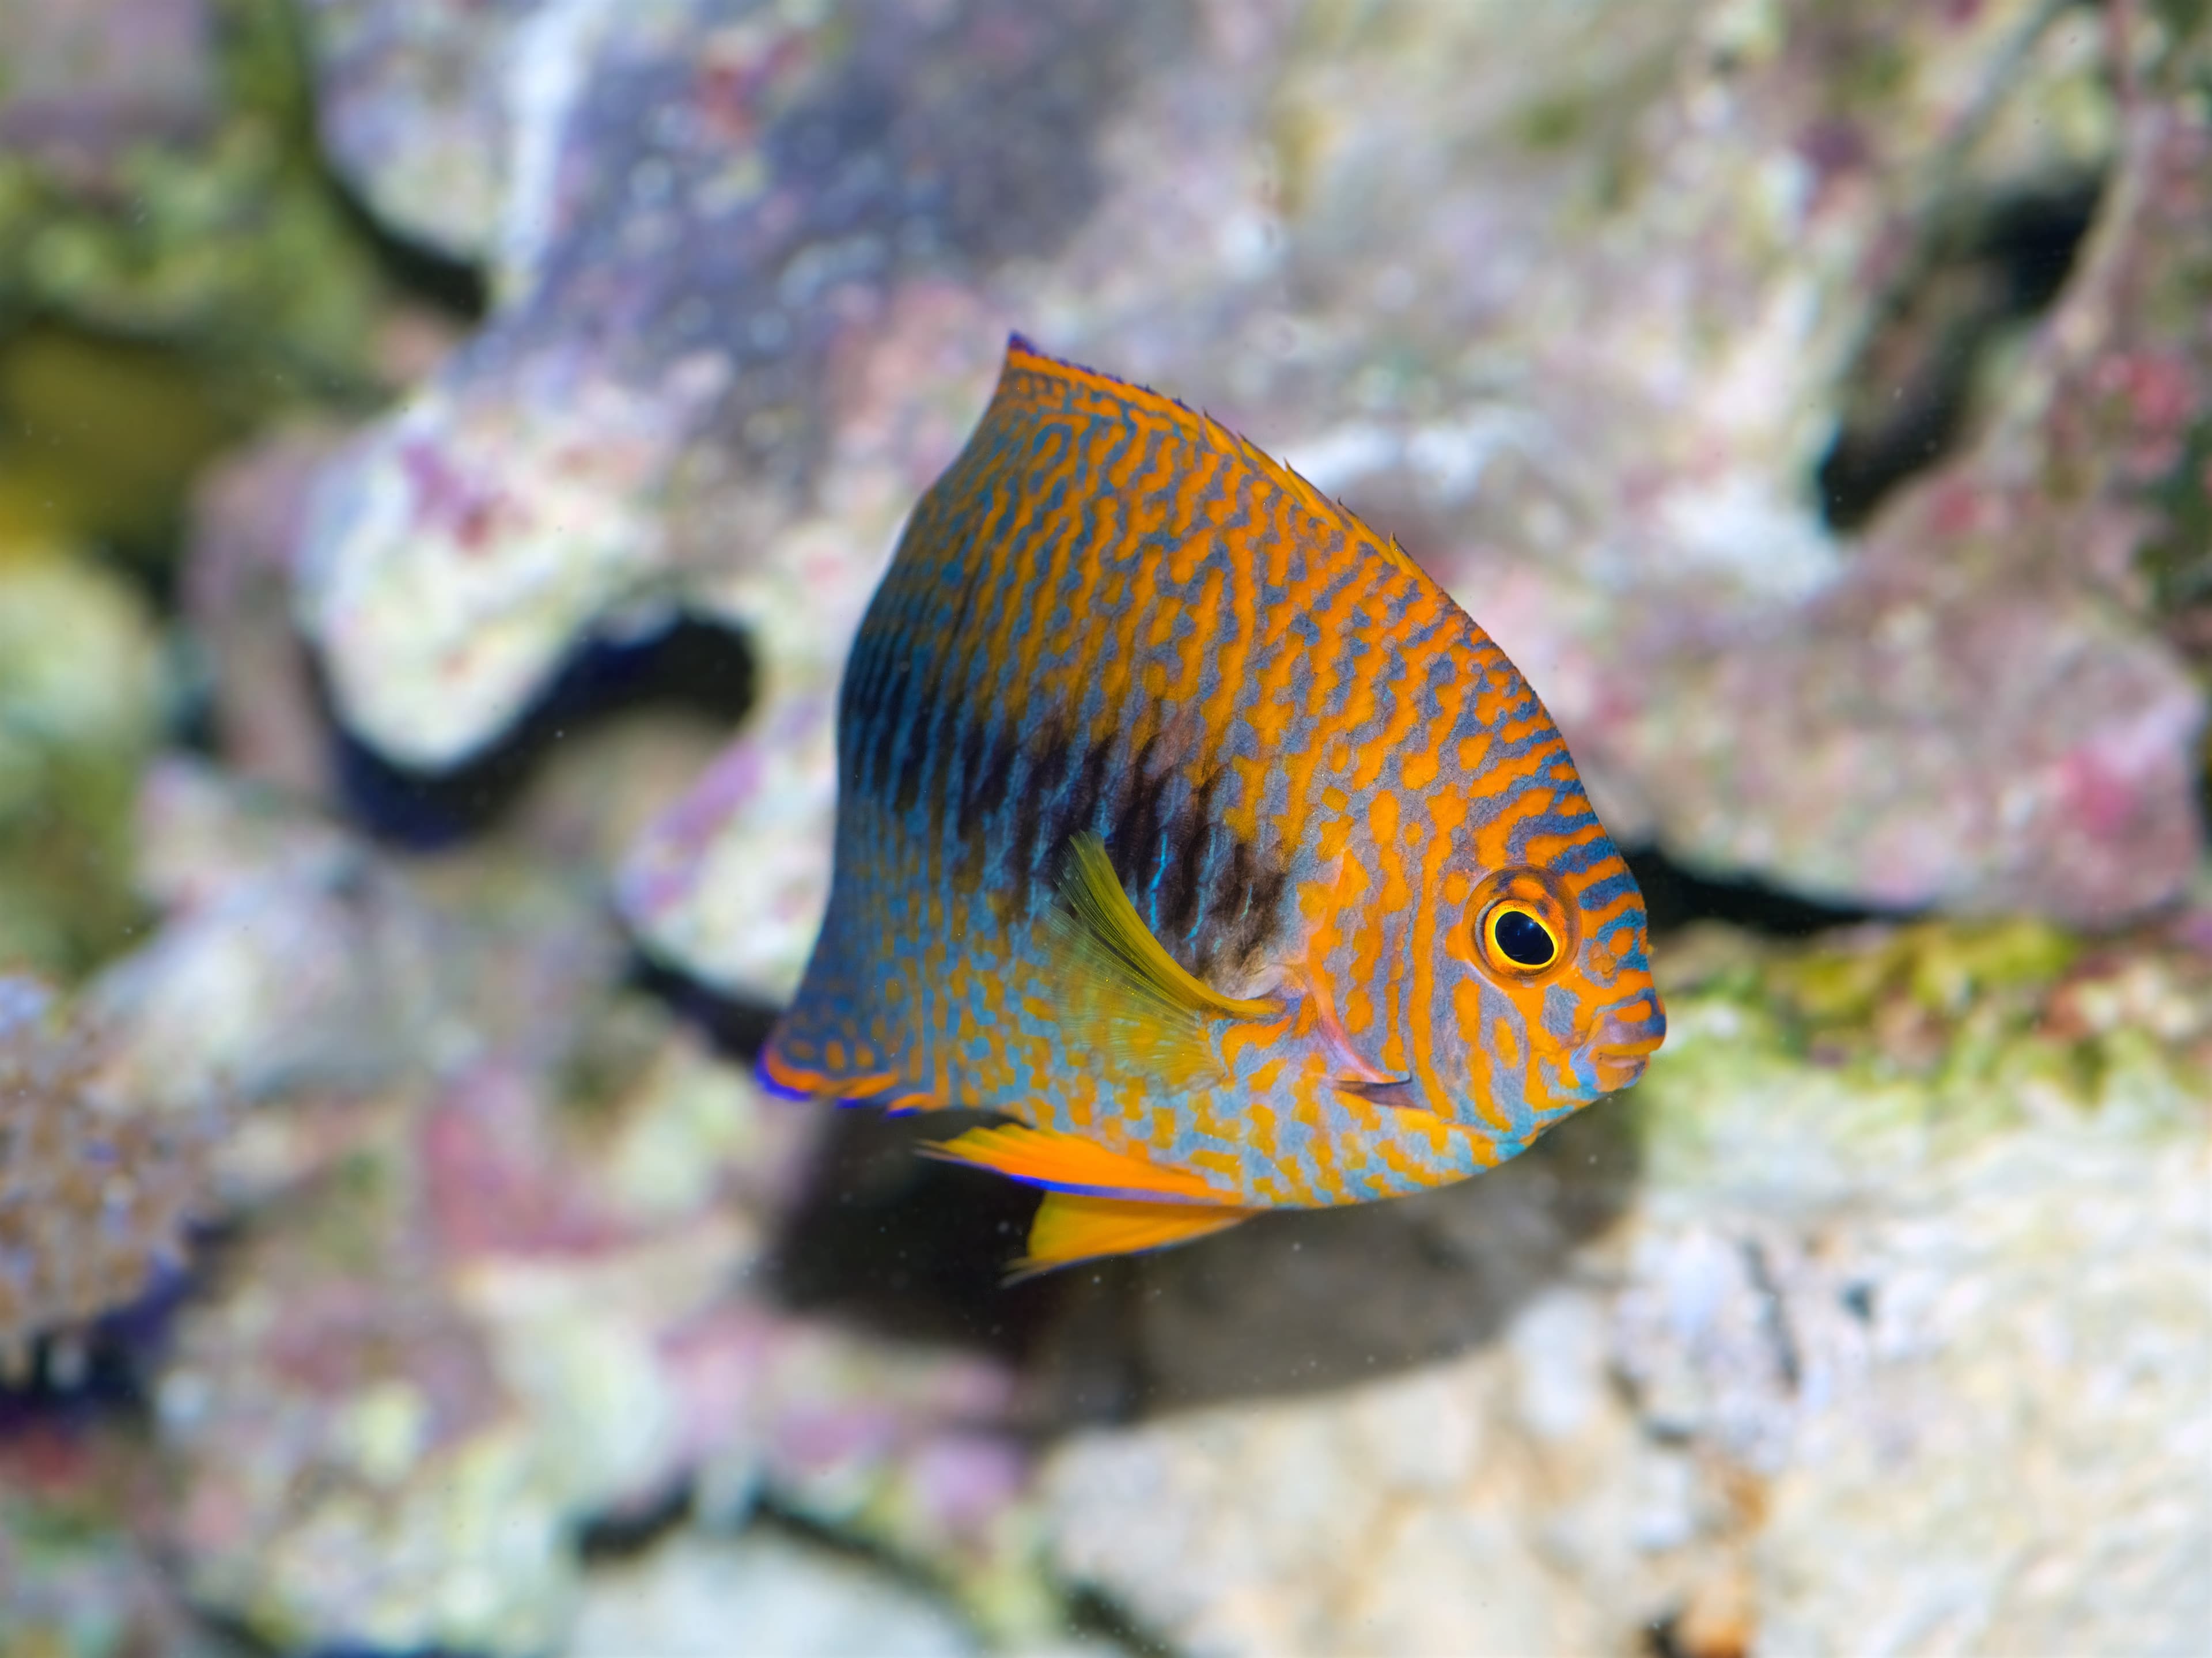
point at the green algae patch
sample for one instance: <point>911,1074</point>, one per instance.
<point>172,278</point>
<point>1881,1047</point>
<point>101,439</point>
<point>79,715</point>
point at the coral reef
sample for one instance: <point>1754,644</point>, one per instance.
<point>76,1574</point>
<point>789,1598</point>
<point>80,86</point>
<point>1913,1287</point>
<point>173,263</point>
<point>236,590</point>
<point>148,183</point>
<point>498,1230</point>
<point>1589,384</point>
<point>412,109</point>
<point>1815,401</point>
<point>93,1199</point>
<point>2005,596</point>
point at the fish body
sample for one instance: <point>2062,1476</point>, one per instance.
<point>1191,825</point>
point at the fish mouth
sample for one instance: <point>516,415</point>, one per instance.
<point>1624,1041</point>
<point>1614,1074</point>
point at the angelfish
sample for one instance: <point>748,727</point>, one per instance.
<point>1188,824</point>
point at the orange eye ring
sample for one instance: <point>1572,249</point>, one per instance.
<point>1524,929</point>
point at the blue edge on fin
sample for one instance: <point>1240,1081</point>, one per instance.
<point>777,1090</point>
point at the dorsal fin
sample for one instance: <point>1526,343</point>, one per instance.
<point>1202,428</point>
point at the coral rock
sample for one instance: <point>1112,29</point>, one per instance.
<point>1580,342</point>
<point>93,1197</point>
<point>497,1224</point>
<point>689,1596</point>
<point>248,514</point>
<point>1904,1334</point>
<point>84,82</point>
<point>412,107</point>
<point>77,1577</point>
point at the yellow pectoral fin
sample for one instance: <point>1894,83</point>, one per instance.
<point>1128,998</point>
<point>1118,940</point>
<point>1074,1226</point>
<point>1068,1163</point>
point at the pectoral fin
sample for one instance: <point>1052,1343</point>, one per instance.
<point>1126,997</point>
<point>1074,1226</point>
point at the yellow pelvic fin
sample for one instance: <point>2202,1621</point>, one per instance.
<point>1128,996</point>
<point>1069,1162</point>
<point>1074,1226</point>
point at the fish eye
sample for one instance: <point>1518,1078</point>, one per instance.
<point>1522,924</point>
<point>1516,934</point>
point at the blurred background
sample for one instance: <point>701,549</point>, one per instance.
<point>445,448</point>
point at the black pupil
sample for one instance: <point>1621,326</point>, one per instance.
<point>1524,939</point>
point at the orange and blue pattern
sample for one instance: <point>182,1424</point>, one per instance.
<point>1190,825</point>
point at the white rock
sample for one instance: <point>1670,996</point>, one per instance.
<point>757,1596</point>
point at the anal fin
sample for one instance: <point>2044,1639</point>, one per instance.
<point>1098,1201</point>
<point>1069,1162</point>
<point>1074,1226</point>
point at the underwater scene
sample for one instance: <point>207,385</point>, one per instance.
<point>1105,828</point>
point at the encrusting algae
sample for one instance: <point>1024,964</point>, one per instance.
<point>93,1199</point>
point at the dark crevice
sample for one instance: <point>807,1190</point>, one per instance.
<point>1660,1639</point>
<point>1983,269</point>
<point>689,666</point>
<point>1092,1616</point>
<point>779,1519</point>
<point>1667,1637</point>
<point>100,1367</point>
<point>452,285</point>
<point>631,1533</point>
<point>229,1634</point>
<point>1674,896</point>
<point>272,64</point>
<point>738,1029</point>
